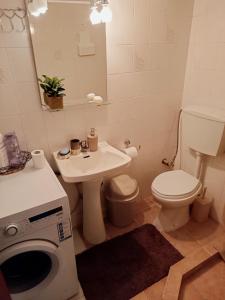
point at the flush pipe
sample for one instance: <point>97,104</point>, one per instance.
<point>198,166</point>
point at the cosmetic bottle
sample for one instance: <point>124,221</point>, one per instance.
<point>92,140</point>
<point>13,149</point>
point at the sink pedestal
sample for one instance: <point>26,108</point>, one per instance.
<point>90,170</point>
<point>93,224</point>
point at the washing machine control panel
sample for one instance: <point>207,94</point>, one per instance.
<point>56,218</point>
<point>11,229</point>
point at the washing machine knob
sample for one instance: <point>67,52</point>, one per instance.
<point>11,230</point>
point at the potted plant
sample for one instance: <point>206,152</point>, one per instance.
<point>53,91</point>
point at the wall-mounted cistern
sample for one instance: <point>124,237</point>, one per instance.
<point>203,132</point>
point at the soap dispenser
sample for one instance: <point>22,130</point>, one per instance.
<point>93,140</point>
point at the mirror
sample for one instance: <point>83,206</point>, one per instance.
<point>68,46</point>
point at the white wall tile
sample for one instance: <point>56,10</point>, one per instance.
<point>123,86</point>
<point>120,59</point>
<point>22,64</point>
<point>159,5</point>
<point>75,123</point>
<point>204,85</point>
<point>15,40</point>
<point>208,7</point>
<point>97,117</point>
<point>142,57</point>
<point>36,138</point>
<point>159,31</point>
<point>8,99</point>
<point>121,29</point>
<point>161,55</point>
<point>141,21</point>
<point>5,72</point>
<point>205,56</point>
<point>28,97</point>
<point>214,181</point>
<point>55,125</point>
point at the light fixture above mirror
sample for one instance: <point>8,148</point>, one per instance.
<point>37,7</point>
<point>100,12</point>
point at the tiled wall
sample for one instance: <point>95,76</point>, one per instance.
<point>147,46</point>
<point>205,85</point>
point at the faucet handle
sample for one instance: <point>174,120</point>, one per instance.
<point>127,143</point>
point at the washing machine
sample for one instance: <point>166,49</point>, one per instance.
<point>36,244</point>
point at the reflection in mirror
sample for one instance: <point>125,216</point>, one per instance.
<point>67,45</point>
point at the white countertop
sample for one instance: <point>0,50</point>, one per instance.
<point>27,189</point>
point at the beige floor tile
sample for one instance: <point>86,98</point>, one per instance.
<point>79,244</point>
<point>113,231</point>
<point>210,280</point>
<point>141,206</point>
<point>189,292</point>
<point>83,244</point>
<point>78,298</point>
<point>205,232</point>
<point>79,295</point>
<point>217,245</point>
<point>191,262</point>
<point>182,241</point>
<point>150,201</point>
<point>155,291</point>
<point>147,216</point>
<point>141,296</point>
<point>172,286</point>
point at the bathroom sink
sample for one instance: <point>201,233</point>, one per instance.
<point>90,169</point>
<point>107,160</point>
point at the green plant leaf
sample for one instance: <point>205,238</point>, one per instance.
<point>52,86</point>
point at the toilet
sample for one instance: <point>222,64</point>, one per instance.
<point>175,191</point>
<point>202,131</point>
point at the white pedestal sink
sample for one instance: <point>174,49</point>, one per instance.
<point>90,169</point>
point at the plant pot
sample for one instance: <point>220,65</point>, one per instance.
<point>45,98</point>
<point>54,102</point>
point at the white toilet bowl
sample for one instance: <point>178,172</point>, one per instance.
<point>174,191</point>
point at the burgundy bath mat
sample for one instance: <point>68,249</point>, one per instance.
<point>120,268</point>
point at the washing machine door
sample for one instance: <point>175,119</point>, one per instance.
<point>29,265</point>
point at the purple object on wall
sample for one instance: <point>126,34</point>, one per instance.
<point>12,148</point>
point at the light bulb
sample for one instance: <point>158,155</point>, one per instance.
<point>34,8</point>
<point>37,7</point>
<point>95,16</point>
<point>36,13</point>
<point>43,6</point>
<point>106,14</point>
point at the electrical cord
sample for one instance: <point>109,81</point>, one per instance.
<point>171,163</point>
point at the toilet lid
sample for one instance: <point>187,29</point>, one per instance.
<point>175,183</point>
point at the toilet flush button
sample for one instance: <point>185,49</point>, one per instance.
<point>11,230</point>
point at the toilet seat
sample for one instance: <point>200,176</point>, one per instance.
<point>175,185</point>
